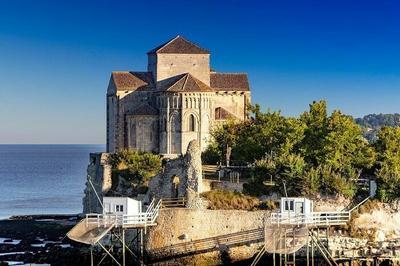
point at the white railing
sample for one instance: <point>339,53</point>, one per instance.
<point>144,218</point>
<point>314,218</point>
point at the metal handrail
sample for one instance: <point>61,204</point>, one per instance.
<point>314,218</point>
<point>173,202</point>
<point>143,218</point>
<point>359,204</point>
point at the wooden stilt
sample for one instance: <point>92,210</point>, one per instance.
<point>91,256</point>
<point>273,255</point>
<point>312,251</point>
<point>285,255</point>
<point>141,246</point>
<point>123,247</point>
<point>308,250</point>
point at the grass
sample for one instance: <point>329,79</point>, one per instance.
<point>228,200</point>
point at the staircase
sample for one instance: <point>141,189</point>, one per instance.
<point>322,249</point>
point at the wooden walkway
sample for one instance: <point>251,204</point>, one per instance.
<point>208,244</point>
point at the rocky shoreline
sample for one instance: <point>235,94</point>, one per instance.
<point>40,239</point>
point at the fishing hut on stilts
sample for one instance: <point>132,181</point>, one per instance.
<point>297,225</point>
<point>120,214</point>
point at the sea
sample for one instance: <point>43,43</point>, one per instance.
<point>43,179</point>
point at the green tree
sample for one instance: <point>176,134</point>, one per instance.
<point>344,145</point>
<point>388,162</point>
<point>264,133</point>
<point>316,153</point>
<point>316,120</point>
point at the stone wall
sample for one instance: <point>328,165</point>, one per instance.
<point>142,133</point>
<point>177,226</point>
<point>234,102</point>
<point>169,65</point>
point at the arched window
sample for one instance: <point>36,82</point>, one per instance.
<point>192,123</point>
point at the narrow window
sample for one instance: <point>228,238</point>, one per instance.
<point>289,205</point>
<point>192,123</point>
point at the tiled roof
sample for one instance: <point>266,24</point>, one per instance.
<point>132,81</point>
<point>184,83</point>
<point>178,45</point>
<point>229,81</point>
<point>144,109</point>
<point>223,114</point>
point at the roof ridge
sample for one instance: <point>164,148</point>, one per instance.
<point>187,77</point>
<point>120,71</point>
<point>179,79</point>
<point>196,81</point>
<point>165,44</point>
<point>241,73</point>
<point>176,45</point>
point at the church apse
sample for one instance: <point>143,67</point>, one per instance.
<point>174,102</point>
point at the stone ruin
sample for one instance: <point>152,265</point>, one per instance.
<point>181,177</point>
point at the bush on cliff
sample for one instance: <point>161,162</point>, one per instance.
<point>228,200</point>
<point>136,166</point>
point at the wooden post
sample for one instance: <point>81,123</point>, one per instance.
<point>327,238</point>
<point>91,256</point>
<point>141,246</point>
<point>123,247</point>
<point>285,256</point>
<point>294,242</point>
<point>308,249</point>
<point>273,254</point>
<point>312,248</point>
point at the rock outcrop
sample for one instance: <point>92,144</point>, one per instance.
<point>99,173</point>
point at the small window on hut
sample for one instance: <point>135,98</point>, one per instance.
<point>289,205</point>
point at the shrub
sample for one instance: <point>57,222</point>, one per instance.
<point>228,200</point>
<point>352,228</point>
<point>136,166</point>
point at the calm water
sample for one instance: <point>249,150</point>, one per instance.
<point>43,179</point>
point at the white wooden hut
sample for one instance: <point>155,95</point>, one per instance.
<point>293,206</point>
<point>121,206</point>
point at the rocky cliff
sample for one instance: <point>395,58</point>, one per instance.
<point>98,182</point>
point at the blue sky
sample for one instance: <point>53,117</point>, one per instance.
<point>56,56</point>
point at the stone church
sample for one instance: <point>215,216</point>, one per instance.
<point>179,98</point>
